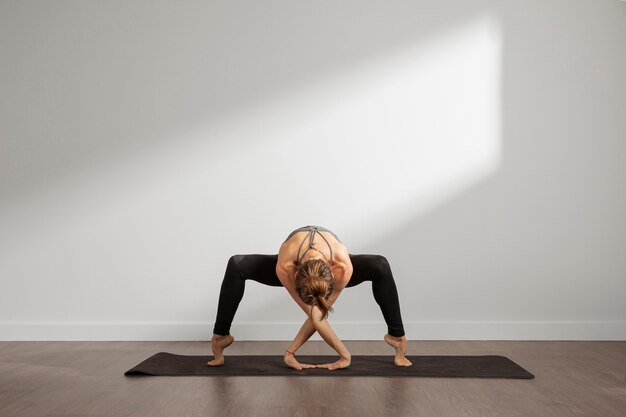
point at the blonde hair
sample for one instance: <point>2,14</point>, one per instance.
<point>315,283</point>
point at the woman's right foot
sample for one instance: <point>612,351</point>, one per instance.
<point>399,345</point>
<point>218,344</point>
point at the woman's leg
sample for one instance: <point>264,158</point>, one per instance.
<point>376,268</point>
<point>260,268</point>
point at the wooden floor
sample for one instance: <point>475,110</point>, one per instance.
<point>69,379</point>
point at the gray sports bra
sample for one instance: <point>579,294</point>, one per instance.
<point>311,236</point>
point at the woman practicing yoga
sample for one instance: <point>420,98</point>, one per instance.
<point>314,277</point>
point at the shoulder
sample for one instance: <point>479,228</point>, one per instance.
<point>341,255</point>
<point>285,265</point>
<point>286,252</point>
<point>342,266</point>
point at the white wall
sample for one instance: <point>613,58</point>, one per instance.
<point>479,145</point>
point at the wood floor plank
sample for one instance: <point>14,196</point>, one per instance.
<point>70,379</point>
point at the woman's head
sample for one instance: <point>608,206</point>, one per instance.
<point>315,283</point>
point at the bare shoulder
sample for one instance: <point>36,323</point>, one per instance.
<point>341,255</point>
<point>286,253</point>
<point>285,264</point>
<point>342,265</point>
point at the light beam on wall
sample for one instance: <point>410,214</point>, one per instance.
<point>375,144</point>
<point>381,143</point>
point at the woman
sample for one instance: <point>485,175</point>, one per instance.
<point>314,266</point>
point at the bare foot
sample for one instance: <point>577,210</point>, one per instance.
<point>218,344</point>
<point>399,344</point>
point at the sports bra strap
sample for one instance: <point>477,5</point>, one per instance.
<point>311,236</point>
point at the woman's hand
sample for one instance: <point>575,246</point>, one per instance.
<point>343,362</point>
<point>292,362</point>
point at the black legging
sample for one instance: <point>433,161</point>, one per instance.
<point>262,268</point>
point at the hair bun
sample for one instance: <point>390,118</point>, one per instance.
<point>314,284</point>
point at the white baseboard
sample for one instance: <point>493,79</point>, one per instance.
<point>433,330</point>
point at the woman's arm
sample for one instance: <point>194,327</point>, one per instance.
<point>315,322</point>
<point>328,334</point>
<point>323,327</point>
<point>308,329</point>
<point>290,286</point>
<point>310,326</point>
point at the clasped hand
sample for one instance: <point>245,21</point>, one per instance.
<point>292,362</point>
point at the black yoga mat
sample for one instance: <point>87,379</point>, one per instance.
<point>169,364</point>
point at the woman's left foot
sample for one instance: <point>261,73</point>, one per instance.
<point>399,345</point>
<point>218,344</point>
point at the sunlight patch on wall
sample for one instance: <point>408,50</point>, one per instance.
<point>384,142</point>
<point>375,145</point>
